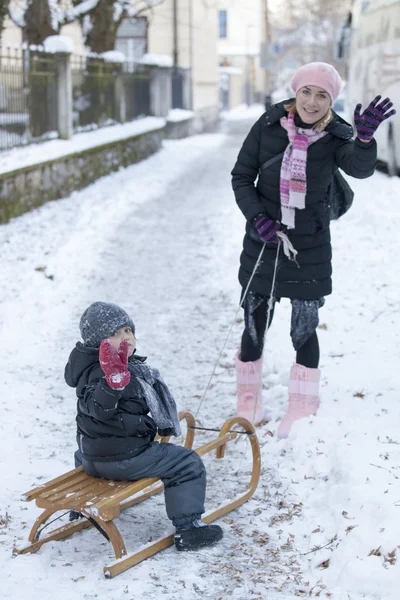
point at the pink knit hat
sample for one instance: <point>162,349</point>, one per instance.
<point>320,74</point>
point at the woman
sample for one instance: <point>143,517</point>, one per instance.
<point>290,195</point>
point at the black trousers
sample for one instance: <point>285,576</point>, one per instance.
<point>251,350</point>
<point>181,470</point>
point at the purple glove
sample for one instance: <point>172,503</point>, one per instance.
<point>267,228</point>
<point>367,123</point>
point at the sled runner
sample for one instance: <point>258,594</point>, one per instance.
<point>100,501</point>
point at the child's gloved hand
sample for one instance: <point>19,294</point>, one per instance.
<point>115,364</point>
<point>165,432</point>
<point>147,427</point>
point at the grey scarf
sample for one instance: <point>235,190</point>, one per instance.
<point>158,397</point>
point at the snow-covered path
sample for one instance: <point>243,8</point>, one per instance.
<point>162,239</point>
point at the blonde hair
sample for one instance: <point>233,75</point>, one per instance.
<point>319,125</point>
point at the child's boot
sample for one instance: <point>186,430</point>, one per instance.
<point>249,390</point>
<point>303,397</point>
<point>196,535</point>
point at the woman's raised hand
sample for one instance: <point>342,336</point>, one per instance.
<point>368,122</point>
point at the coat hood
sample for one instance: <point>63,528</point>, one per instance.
<point>81,358</point>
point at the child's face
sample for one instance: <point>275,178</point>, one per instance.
<point>124,334</point>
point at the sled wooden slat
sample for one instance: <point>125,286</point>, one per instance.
<point>100,501</point>
<point>67,484</point>
<point>50,484</point>
<point>77,489</point>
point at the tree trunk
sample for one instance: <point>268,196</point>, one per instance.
<point>103,32</point>
<point>38,22</point>
<point>3,13</point>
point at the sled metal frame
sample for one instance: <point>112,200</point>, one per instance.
<point>101,501</point>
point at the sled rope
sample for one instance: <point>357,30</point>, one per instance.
<point>49,523</point>
<point>218,430</point>
<point>230,329</point>
<point>291,253</point>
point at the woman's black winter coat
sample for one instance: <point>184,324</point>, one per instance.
<point>111,423</point>
<point>311,235</point>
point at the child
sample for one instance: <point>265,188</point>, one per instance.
<point>116,390</point>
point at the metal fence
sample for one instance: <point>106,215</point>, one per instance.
<point>36,87</point>
<point>28,96</point>
<point>105,93</point>
<point>136,81</point>
<point>94,97</point>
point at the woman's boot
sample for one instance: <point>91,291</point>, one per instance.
<point>249,390</point>
<point>303,397</point>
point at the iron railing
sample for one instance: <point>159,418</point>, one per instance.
<point>103,93</point>
<point>136,80</point>
<point>28,96</point>
<point>95,103</point>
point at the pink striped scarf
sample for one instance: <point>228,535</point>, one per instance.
<point>293,184</point>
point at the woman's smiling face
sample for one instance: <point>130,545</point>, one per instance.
<point>312,103</point>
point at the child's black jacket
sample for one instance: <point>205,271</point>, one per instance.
<point>111,423</point>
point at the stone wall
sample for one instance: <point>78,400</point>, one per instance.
<point>30,187</point>
<point>175,130</point>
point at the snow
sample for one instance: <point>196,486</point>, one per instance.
<point>238,51</point>
<point>243,111</point>
<point>179,114</point>
<point>59,43</point>
<point>84,7</point>
<point>113,56</point>
<point>231,70</point>
<point>17,14</point>
<point>18,158</point>
<point>162,238</point>
<point>160,60</point>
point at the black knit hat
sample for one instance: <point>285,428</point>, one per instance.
<point>100,320</point>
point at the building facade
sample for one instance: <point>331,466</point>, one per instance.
<point>182,34</point>
<point>241,32</point>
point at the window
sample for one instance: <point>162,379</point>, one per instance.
<point>132,38</point>
<point>223,23</point>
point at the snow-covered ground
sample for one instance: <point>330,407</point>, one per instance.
<point>162,238</point>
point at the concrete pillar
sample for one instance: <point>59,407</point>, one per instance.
<point>187,88</point>
<point>120,101</point>
<point>64,95</point>
<point>160,91</point>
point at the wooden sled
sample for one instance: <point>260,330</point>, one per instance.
<point>101,501</point>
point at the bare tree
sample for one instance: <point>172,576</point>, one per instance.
<point>3,13</point>
<point>101,22</point>
<point>310,28</point>
<point>100,19</point>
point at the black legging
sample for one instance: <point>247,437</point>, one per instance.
<point>307,355</point>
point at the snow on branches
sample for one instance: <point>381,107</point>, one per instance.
<point>42,18</point>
